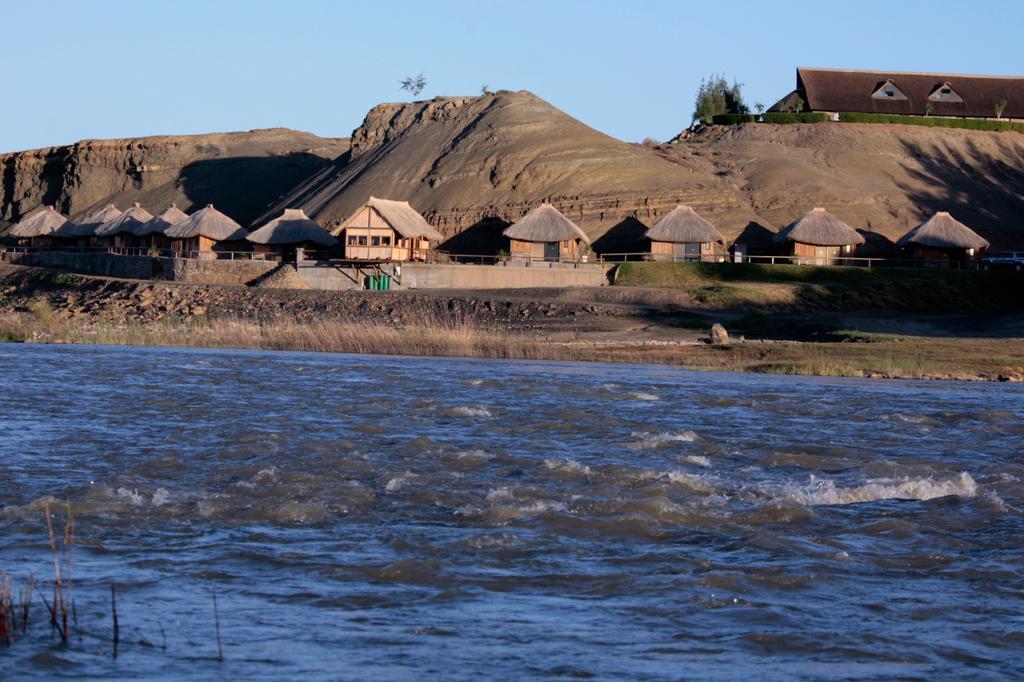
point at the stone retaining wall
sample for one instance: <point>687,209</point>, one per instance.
<point>192,271</point>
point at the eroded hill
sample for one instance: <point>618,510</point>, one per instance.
<point>239,172</point>
<point>472,164</point>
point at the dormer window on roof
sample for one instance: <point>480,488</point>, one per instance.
<point>945,93</point>
<point>889,91</point>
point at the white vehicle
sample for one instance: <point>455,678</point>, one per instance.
<point>1005,259</point>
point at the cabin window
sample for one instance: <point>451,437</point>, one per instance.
<point>945,93</point>
<point>362,240</point>
<point>351,240</point>
<point>889,91</point>
<point>375,241</point>
<point>386,241</point>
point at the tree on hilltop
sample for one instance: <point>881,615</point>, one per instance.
<point>414,85</point>
<point>715,96</point>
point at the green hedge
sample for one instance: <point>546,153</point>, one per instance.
<point>733,119</point>
<point>932,121</point>
<point>805,117</point>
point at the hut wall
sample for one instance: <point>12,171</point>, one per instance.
<point>567,250</point>
<point>703,251</point>
<point>812,254</point>
<point>940,255</point>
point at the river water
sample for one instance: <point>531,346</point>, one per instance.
<point>399,518</point>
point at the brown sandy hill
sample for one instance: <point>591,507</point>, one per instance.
<point>465,162</point>
<point>239,172</point>
<point>470,163</point>
<point>881,178</point>
<point>462,160</point>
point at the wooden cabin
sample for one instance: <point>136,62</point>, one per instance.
<point>683,235</point>
<point>39,229</point>
<point>152,233</point>
<point>819,238</point>
<point>942,239</point>
<point>206,232</point>
<point>387,230</point>
<point>279,239</point>
<point>545,234</point>
<point>120,232</point>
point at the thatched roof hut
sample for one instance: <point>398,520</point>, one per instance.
<point>158,224</point>
<point>88,226</point>
<point>943,231</point>
<point>820,228</point>
<point>125,223</point>
<point>44,223</point>
<point>210,223</point>
<point>292,227</point>
<point>682,225</point>
<point>404,219</point>
<point>545,224</point>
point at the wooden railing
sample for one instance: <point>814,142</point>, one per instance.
<point>446,258</point>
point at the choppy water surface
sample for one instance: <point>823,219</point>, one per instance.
<point>366,517</point>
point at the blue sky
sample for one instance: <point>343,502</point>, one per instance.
<point>103,69</point>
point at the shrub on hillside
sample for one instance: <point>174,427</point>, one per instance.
<point>733,119</point>
<point>933,121</point>
<point>804,117</point>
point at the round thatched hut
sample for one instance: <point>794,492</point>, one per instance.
<point>83,233</point>
<point>38,229</point>
<point>120,231</point>
<point>819,238</point>
<point>282,235</point>
<point>943,238</point>
<point>682,234</point>
<point>152,232</point>
<point>205,232</point>
<point>382,229</point>
<point>545,234</point>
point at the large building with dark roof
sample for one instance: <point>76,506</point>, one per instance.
<point>895,92</point>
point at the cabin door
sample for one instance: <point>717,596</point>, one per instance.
<point>551,251</point>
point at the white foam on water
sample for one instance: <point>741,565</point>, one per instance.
<point>825,492</point>
<point>399,482</point>
<point>909,418</point>
<point>161,496</point>
<point>699,460</point>
<point>641,395</point>
<point>131,496</point>
<point>651,441</point>
<point>500,494</point>
<point>469,411</point>
<point>567,466</point>
<point>475,455</point>
<point>694,482</point>
<point>267,475</point>
<point>476,382</point>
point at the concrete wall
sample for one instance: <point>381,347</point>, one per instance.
<point>146,267</point>
<point>508,276</point>
<point>328,278</point>
<point>434,276</point>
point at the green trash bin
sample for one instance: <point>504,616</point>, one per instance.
<point>385,282</point>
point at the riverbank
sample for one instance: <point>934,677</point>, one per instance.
<point>617,324</point>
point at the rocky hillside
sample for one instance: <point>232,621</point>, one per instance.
<point>882,179</point>
<point>239,172</point>
<point>471,164</point>
<point>465,161</point>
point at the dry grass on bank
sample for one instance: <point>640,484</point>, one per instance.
<point>889,357</point>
